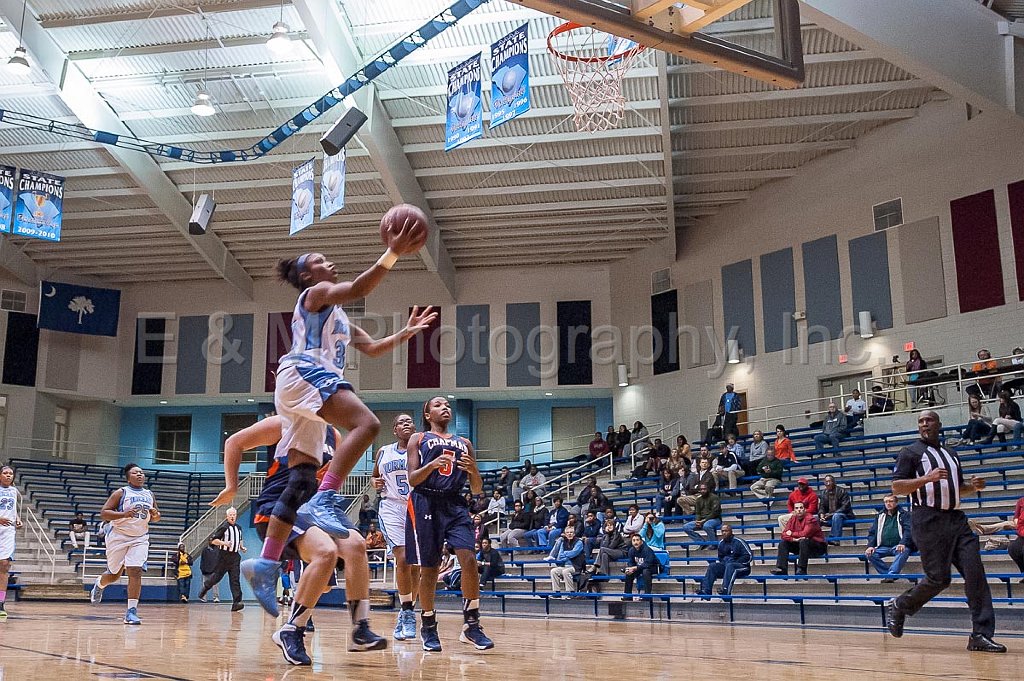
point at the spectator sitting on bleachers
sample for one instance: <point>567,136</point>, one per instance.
<point>375,538</point>
<point>592,498</point>
<point>1009,419</point>
<point>653,532</point>
<point>449,572</point>
<point>537,535</point>
<point>716,430</point>
<point>567,555</point>
<point>833,428</point>
<point>986,371</point>
<point>783,446</point>
<point>770,470</point>
<point>610,438</point>
<point>641,566</point>
<point>634,521</point>
<point>590,533</point>
<point>516,491</point>
<point>734,557</point>
<point>622,439</point>
<point>558,518</point>
<point>727,465</point>
<point>503,483</point>
<point>740,451</point>
<point>682,449</point>
<point>598,448</point>
<point>880,403</point>
<point>518,525</point>
<point>480,530</point>
<point>801,494</point>
<point>495,507</point>
<point>676,464</point>
<point>639,436</point>
<point>77,529</point>
<point>889,536</point>
<point>611,546</point>
<point>488,562</point>
<point>530,501</point>
<point>802,537</point>
<point>757,452</point>
<point>979,423</point>
<point>690,488</point>
<point>668,491</point>
<point>366,513</point>
<point>855,410</point>
<point>609,516</point>
<point>478,503</point>
<point>651,460</point>
<point>533,481</point>
<point>708,516</point>
<point>834,509</point>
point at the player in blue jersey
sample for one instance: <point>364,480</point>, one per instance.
<point>440,464</point>
<point>129,510</point>
<point>308,543</point>
<point>311,392</point>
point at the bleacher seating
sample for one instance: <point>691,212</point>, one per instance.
<point>863,463</point>
<point>60,489</point>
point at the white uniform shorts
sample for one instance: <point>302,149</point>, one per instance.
<point>7,542</point>
<point>124,551</point>
<point>300,393</point>
<point>392,514</point>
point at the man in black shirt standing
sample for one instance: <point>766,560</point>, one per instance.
<point>933,478</point>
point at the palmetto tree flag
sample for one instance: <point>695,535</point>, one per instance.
<point>79,309</point>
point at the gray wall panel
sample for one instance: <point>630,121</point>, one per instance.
<point>190,375</point>
<point>869,278</point>
<point>822,295</point>
<point>522,344</point>
<point>473,360</point>
<point>738,304</point>
<point>236,367</point>
<point>778,300</point>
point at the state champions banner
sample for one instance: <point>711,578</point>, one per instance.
<point>510,77</point>
<point>7,174</point>
<point>465,119</point>
<point>39,209</point>
<point>332,184</point>
<point>302,197</point>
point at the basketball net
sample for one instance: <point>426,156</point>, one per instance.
<point>593,64</point>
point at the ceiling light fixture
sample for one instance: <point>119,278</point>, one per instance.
<point>18,63</point>
<point>279,42</point>
<point>203,104</point>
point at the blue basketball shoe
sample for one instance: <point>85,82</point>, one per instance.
<point>474,634</point>
<point>325,511</point>
<point>289,639</point>
<point>262,575</point>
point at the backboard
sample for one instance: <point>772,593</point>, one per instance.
<point>676,28</point>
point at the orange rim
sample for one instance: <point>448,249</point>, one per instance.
<point>572,26</point>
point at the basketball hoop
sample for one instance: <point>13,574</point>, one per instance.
<point>593,64</point>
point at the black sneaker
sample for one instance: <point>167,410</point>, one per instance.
<point>895,618</point>
<point>431,641</point>
<point>983,644</point>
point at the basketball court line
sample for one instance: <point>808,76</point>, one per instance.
<point>142,673</point>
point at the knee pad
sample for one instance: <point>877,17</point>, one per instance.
<point>301,486</point>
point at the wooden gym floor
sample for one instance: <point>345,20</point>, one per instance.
<point>66,642</point>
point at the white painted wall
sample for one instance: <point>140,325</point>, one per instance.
<point>928,161</point>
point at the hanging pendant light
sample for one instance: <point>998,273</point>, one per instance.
<point>203,104</point>
<point>18,64</point>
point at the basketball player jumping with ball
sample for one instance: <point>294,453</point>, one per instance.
<point>311,390</point>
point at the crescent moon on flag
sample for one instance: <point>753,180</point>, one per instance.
<point>53,291</point>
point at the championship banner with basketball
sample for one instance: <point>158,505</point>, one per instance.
<point>302,197</point>
<point>332,185</point>
<point>39,208</point>
<point>79,309</point>
<point>7,174</point>
<point>510,77</point>
<point>465,107</point>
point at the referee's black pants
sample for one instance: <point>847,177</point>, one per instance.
<point>227,565</point>
<point>945,539</point>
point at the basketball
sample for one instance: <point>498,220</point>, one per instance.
<point>404,215</point>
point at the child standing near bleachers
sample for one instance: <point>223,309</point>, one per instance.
<point>9,524</point>
<point>129,510</point>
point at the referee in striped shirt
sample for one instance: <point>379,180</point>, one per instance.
<point>228,538</point>
<point>933,478</point>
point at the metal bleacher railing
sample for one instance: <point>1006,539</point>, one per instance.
<point>948,384</point>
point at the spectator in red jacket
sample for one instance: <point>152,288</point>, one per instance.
<point>598,447</point>
<point>802,493</point>
<point>1016,547</point>
<point>802,537</point>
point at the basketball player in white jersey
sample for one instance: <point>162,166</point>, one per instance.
<point>129,510</point>
<point>319,551</point>
<point>391,479</point>
<point>9,524</point>
<point>311,392</point>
